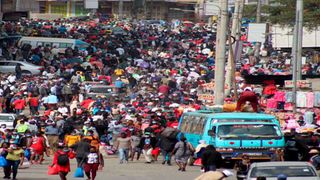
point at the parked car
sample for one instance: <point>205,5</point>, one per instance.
<point>101,90</point>
<point>293,170</point>
<point>9,66</point>
<point>8,120</point>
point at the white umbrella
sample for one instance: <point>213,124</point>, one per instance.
<point>206,51</point>
<point>174,105</point>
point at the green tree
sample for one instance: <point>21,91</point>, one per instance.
<point>250,12</point>
<point>283,12</point>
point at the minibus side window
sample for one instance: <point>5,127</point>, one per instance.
<point>184,123</point>
<point>62,45</point>
<point>25,42</point>
<point>39,43</point>
<point>55,45</point>
<point>47,44</point>
<point>194,125</point>
<point>200,125</point>
<point>188,124</point>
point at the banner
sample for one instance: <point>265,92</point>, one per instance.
<point>300,84</point>
<point>206,97</point>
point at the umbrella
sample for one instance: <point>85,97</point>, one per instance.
<point>206,51</point>
<point>174,105</point>
<point>187,22</point>
<point>144,64</point>
<point>194,74</point>
<point>86,64</point>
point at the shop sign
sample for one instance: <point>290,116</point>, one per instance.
<point>206,97</point>
<point>300,84</point>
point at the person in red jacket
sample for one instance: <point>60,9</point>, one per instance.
<point>63,168</point>
<point>248,95</point>
<point>38,147</point>
<point>87,103</point>
<point>33,104</point>
<point>19,105</point>
<point>164,89</point>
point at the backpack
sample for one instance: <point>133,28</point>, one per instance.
<point>291,145</point>
<point>63,159</point>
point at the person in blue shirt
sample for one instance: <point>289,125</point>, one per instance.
<point>52,100</point>
<point>119,85</point>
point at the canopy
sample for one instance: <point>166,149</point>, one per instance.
<point>278,79</point>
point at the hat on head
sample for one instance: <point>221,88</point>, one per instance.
<point>313,151</point>
<point>248,89</point>
<point>227,173</point>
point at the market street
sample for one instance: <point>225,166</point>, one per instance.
<point>136,170</point>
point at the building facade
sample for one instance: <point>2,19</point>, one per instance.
<point>138,9</point>
<point>19,5</point>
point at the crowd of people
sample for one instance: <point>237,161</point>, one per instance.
<point>156,73</point>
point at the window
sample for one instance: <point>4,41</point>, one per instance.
<point>6,118</point>
<point>249,131</point>
<point>39,43</point>
<point>290,171</point>
<point>12,64</point>
<point>65,45</point>
<point>3,63</point>
<point>47,44</point>
<point>193,124</point>
<point>25,42</point>
<point>55,45</point>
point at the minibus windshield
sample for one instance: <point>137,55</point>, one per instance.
<point>248,131</point>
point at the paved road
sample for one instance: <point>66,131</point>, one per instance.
<point>136,170</point>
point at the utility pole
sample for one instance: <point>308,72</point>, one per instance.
<point>299,11</point>
<point>231,60</point>
<point>297,50</point>
<point>258,20</point>
<point>258,17</point>
<point>120,11</point>
<point>221,54</point>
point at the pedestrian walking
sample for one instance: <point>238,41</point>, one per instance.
<point>211,159</point>
<point>123,145</point>
<point>15,158</point>
<point>147,144</point>
<point>61,161</point>
<point>18,71</point>
<point>93,163</point>
<point>81,149</point>
<point>135,141</point>
<point>52,133</point>
<point>37,148</point>
<point>182,152</point>
<point>242,167</point>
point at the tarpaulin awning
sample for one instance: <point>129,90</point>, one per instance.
<point>278,79</point>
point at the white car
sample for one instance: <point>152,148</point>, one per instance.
<point>293,170</point>
<point>8,120</point>
<point>9,66</point>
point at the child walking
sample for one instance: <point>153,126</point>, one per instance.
<point>94,161</point>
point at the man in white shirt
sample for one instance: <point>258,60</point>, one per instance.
<point>63,110</point>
